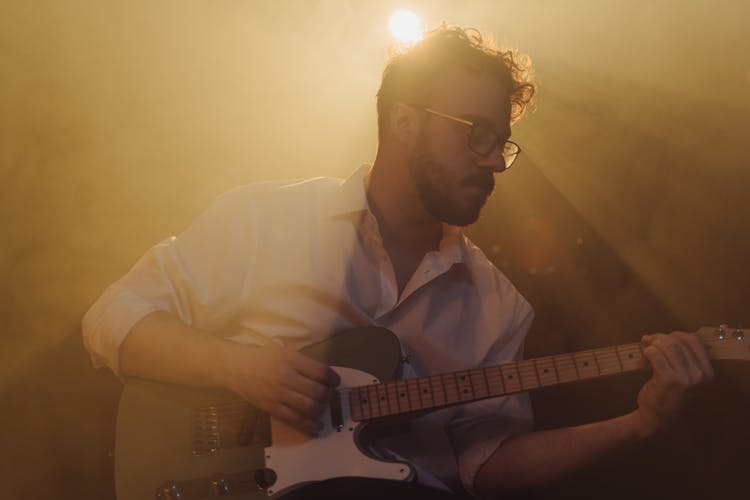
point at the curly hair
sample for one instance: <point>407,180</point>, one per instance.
<point>408,75</point>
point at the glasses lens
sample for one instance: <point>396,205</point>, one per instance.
<point>510,153</point>
<point>482,140</point>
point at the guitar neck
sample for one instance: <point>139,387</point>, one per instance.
<point>423,394</point>
<point>418,395</point>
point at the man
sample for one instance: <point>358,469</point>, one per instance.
<point>272,267</point>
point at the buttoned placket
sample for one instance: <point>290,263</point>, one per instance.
<point>432,265</point>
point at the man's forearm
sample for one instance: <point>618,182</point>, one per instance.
<point>162,347</point>
<point>539,458</point>
<point>286,384</point>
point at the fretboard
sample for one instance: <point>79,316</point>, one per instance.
<point>417,395</point>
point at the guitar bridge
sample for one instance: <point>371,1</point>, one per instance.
<point>226,426</point>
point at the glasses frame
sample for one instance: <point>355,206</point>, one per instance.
<point>508,158</point>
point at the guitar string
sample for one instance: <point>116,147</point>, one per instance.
<point>605,367</point>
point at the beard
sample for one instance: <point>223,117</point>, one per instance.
<point>444,198</point>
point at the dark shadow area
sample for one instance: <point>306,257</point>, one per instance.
<point>57,429</point>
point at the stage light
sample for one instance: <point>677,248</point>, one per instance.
<point>405,26</point>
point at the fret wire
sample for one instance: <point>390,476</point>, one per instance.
<point>510,367</point>
<point>467,375</point>
<point>536,372</point>
<point>441,388</point>
<point>470,380</point>
<point>596,362</point>
<point>430,391</point>
<point>460,384</point>
<point>411,387</point>
<point>441,378</point>
<point>472,387</point>
<point>554,366</point>
<point>479,383</point>
<point>575,366</point>
<point>486,381</point>
<point>514,366</point>
<point>366,413</point>
<point>354,404</point>
<point>546,370</point>
<point>571,373</point>
<point>421,381</point>
<point>402,395</point>
<point>393,401</point>
<point>498,378</point>
<point>585,358</point>
<point>609,361</point>
<point>458,388</point>
<point>528,373</point>
<point>374,403</point>
<point>383,400</point>
<point>622,369</point>
<point>503,385</point>
<point>634,358</point>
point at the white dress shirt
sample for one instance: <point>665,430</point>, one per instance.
<point>297,262</point>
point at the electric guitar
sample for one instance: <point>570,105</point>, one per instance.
<point>178,443</point>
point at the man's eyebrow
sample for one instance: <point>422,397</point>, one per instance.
<point>481,120</point>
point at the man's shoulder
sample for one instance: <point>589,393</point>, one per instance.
<point>280,193</point>
<point>281,187</point>
<point>485,272</point>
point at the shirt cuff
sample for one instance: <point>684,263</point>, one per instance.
<point>108,322</point>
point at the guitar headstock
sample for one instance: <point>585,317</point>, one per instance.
<point>725,342</point>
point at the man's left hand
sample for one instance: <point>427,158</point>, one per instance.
<point>680,364</point>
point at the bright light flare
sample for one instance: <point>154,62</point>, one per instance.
<point>405,26</point>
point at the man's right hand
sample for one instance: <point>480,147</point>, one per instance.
<point>283,383</point>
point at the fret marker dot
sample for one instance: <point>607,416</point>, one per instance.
<point>546,370</point>
<point>424,391</point>
<point>466,391</point>
<point>382,398</point>
<point>585,363</point>
<point>403,395</point>
<point>463,377</point>
<point>630,356</point>
<point>510,376</point>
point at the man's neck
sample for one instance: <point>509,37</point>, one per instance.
<point>407,230</point>
<point>403,221</point>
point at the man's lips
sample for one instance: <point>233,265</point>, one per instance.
<point>483,181</point>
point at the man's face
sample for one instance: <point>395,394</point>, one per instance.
<point>454,182</point>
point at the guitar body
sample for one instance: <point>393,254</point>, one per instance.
<point>172,433</point>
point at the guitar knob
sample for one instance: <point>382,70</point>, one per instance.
<point>739,334</point>
<point>220,486</point>
<point>169,491</point>
<point>721,332</point>
<point>265,478</point>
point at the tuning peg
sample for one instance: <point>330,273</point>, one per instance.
<point>721,332</point>
<point>739,334</point>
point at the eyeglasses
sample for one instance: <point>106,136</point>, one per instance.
<point>483,140</point>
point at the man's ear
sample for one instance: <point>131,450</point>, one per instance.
<point>404,122</point>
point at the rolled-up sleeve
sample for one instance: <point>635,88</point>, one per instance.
<point>199,276</point>
<point>478,429</point>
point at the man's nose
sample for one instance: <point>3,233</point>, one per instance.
<point>494,160</point>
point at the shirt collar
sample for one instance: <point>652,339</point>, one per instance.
<point>350,197</point>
